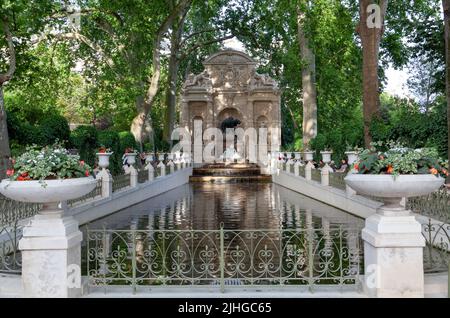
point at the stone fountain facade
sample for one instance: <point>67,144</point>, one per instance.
<point>230,87</point>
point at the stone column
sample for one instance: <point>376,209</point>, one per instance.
<point>107,182</point>
<point>171,166</point>
<point>297,166</point>
<point>133,177</point>
<point>393,254</point>
<point>151,171</point>
<point>51,255</point>
<point>162,168</point>
<point>325,175</point>
<point>309,166</point>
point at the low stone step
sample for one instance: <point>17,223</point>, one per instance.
<point>226,172</point>
<point>231,179</point>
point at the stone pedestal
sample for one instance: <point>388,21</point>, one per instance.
<point>393,248</point>
<point>51,255</point>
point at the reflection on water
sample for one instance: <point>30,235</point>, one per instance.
<point>241,206</point>
<point>272,236</point>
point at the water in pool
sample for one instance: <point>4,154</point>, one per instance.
<point>271,235</point>
<point>238,206</point>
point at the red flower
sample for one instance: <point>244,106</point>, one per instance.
<point>102,150</point>
<point>356,166</point>
<point>86,173</point>
<point>390,169</point>
<point>9,172</point>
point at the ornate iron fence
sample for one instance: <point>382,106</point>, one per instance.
<point>436,254</point>
<point>337,180</point>
<point>11,215</point>
<point>120,182</point>
<point>142,176</point>
<point>96,193</point>
<point>302,257</point>
<point>301,171</point>
<point>435,205</point>
<point>315,175</point>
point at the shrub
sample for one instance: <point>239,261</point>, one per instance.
<point>55,127</point>
<point>126,141</point>
<point>84,138</point>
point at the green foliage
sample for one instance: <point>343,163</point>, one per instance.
<point>85,139</point>
<point>51,162</point>
<point>403,121</point>
<point>48,130</point>
<point>126,141</point>
<point>398,159</point>
<point>55,128</point>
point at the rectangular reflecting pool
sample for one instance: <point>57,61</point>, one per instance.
<point>222,235</point>
<point>238,206</point>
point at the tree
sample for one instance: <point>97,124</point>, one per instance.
<point>5,152</point>
<point>308,60</point>
<point>371,29</point>
<point>18,20</point>
<point>446,7</point>
<point>198,29</point>
<point>139,122</point>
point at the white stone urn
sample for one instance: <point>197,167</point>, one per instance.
<point>298,156</point>
<point>393,240</point>
<point>149,158</point>
<point>308,155</point>
<point>326,156</point>
<point>352,157</point>
<point>48,192</point>
<point>103,159</point>
<point>392,189</point>
<point>130,158</point>
<point>51,242</point>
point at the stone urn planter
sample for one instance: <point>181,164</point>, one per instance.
<point>393,240</point>
<point>130,158</point>
<point>48,192</point>
<point>352,157</point>
<point>103,159</point>
<point>308,155</point>
<point>149,158</point>
<point>51,242</point>
<point>392,189</point>
<point>326,156</point>
<point>298,156</point>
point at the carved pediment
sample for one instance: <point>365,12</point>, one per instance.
<point>262,81</point>
<point>200,81</point>
<point>229,57</point>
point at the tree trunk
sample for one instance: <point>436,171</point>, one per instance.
<point>139,122</point>
<point>308,82</point>
<point>371,38</point>
<point>171,94</point>
<point>5,151</point>
<point>446,7</point>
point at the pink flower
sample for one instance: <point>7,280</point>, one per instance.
<point>10,172</point>
<point>87,174</point>
<point>82,163</point>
